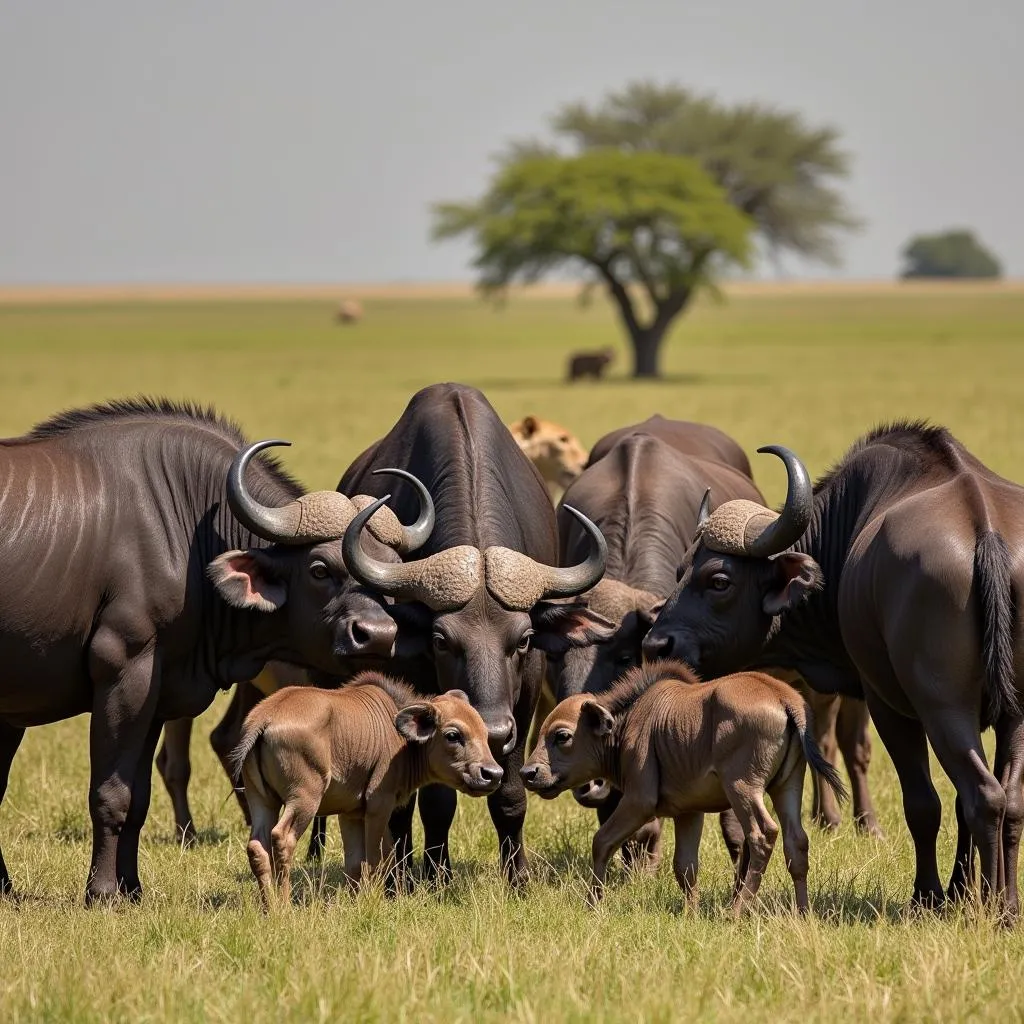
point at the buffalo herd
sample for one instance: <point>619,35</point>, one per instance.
<point>152,556</point>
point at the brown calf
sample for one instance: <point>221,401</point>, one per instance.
<point>680,750</point>
<point>590,364</point>
<point>358,752</point>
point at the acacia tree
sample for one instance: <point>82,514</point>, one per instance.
<point>658,165</point>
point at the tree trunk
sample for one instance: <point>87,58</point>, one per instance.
<point>646,349</point>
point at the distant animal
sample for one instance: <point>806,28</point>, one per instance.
<point>358,752</point>
<point>589,364</point>
<point>142,572</point>
<point>896,578</point>
<point>558,455</point>
<point>679,748</point>
<point>349,312</point>
<point>480,602</point>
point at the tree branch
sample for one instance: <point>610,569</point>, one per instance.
<point>621,295</point>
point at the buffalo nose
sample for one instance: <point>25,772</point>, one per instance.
<point>502,737</point>
<point>657,646</point>
<point>491,773</point>
<point>529,772</point>
<point>367,636</point>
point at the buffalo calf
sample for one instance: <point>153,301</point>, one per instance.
<point>680,750</point>
<point>358,752</point>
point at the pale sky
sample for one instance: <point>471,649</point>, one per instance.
<point>256,141</point>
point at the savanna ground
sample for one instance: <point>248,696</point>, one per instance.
<point>810,370</point>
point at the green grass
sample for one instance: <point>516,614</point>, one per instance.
<point>811,372</point>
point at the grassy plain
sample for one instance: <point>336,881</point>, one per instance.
<point>809,370</point>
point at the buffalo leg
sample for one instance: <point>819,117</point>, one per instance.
<point>642,850</point>
<point>125,692</point>
<point>824,808</point>
<point>437,812</point>
<point>228,732</point>
<point>1009,768</point>
<point>128,842</point>
<point>732,836</point>
<point>689,828</point>
<point>401,832</point>
<point>904,739</point>
<point>853,733</point>
<point>961,881</point>
<point>10,740</point>
<point>629,816</point>
<point>317,840</point>
<point>174,764</point>
<point>957,745</point>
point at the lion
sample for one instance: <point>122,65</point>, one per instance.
<point>558,455</point>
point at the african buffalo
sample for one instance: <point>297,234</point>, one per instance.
<point>894,578</point>
<point>589,364</point>
<point>644,491</point>
<point>472,606</point>
<point>143,572</point>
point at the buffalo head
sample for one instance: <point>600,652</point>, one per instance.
<point>736,580</point>
<point>618,618</point>
<point>329,615</point>
<point>480,614</point>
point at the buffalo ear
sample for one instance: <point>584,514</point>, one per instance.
<point>557,627</point>
<point>417,723</point>
<point>797,576</point>
<point>648,616</point>
<point>457,694</point>
<point>597,718</point>
<point>248,580</point>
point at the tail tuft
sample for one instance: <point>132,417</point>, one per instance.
<point>992,574</point>
<point>802,717</point>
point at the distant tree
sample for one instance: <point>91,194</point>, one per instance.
<point>659,165</point>
<point>949,254</point>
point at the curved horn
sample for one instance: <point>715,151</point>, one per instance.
<point>275,524</point>
<point>383,577</point>
<point>443,581</point>
<point>574,579</point>
<point>415,535</point>
<point>705,508</point>
<point>796,513</point>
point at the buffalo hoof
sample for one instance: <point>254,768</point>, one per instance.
<point>827,823</point>
<point>866,825</point>
<point>927,900</point>
<point>187,835</point>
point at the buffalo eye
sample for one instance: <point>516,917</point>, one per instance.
<point>719,582</point>
<point>319,571</point>
<point>453,736</point>
<point>440,643</point>
<point>524,643</point>
<point>562,737</point>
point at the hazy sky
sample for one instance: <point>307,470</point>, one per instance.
<point>304,141</point>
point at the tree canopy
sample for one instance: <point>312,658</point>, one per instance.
<point>954,253</point>
<point>654,192</point>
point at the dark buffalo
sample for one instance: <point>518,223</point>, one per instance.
<point>697,439</point>
<point>643,487</point>
<point>142,573</point>
<point>473,609</point>
<point>894,578</point>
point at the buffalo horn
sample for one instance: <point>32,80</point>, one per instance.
<point>575,579</point>
<point>796,513</point>
<point>415,535</point>
<point>705,508</point>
